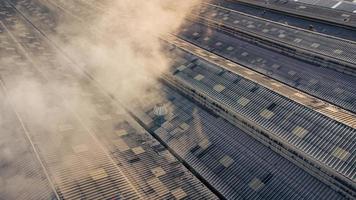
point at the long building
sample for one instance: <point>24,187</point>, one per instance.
<point>264,109</point>
<point>310,45</point>
<point>79,154</point>
<point>295,73</point>
<point>250,109</point>
<point>332,11</point>
<point>237,165</point>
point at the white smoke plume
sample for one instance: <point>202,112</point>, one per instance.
<point>121,44</point>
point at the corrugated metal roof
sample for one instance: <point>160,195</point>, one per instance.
<point>71,144</point>
<point>237,165</point>
<point>325,46</point>
<point>332,86</point>
<point>324,134</point>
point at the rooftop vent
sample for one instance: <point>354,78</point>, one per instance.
<point>160,111</point>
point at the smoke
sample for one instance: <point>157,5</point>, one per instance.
<point>121,44</point>
<point>118,44</point>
